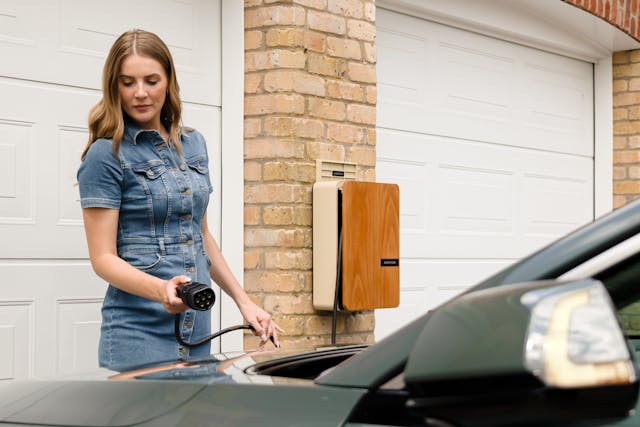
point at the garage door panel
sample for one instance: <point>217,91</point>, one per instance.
<point>456,83</point>
<point>71,48</point>
<point>17,172</point>
<point>464,198</point>
<point>16,335</point>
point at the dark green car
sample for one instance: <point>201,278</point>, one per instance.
<point>548,341</point>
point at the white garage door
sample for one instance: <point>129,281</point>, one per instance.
<point>52,55</point>
<point>492,145</point>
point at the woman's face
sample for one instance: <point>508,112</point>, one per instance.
<point>142,85</point>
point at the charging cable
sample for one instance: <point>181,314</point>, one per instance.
<point>201,297</point>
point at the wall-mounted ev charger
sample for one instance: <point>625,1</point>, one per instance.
<point>356,245</point>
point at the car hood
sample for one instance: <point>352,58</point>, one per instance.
<point>216,387</point>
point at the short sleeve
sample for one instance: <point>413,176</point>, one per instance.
<point>100,177</point>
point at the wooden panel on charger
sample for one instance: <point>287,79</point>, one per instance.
<point>370,245</point>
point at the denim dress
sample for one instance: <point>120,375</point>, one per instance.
<point>161,197</point>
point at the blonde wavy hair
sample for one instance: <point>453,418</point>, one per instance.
<point>106,118</point>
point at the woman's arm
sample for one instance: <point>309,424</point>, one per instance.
<point>100,225</point>
<point>263,325</point>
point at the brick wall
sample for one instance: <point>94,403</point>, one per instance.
<point>310,93</point>
<point>626,127</point>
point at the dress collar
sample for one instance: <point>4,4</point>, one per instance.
<point>136,134</point>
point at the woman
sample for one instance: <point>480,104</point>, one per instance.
<point>144,189</point>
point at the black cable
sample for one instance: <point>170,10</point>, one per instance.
<point>176,330</point>
<point>338,291</point>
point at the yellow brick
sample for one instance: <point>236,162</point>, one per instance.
<point>634,172</point>
<point>364,155</point>
<point>290,172</point>
<point>278,215</point>
<point>619,142</point>
<point>372,94</point>
<point>634,84</point>
<point>371,136</point>
<point>252,40</point>
<point>291,37</point>
<point>626,156</point>
<point>268,148</point>
<point>361,114</point>
<point>620,172</point>
<point>632,141</point>
<point>632,113</point>
<point>619,201</point>
<point>252,128</point>
<point>289,304</point>
<point>370,54</point>
<point>626,127</point>
<point>321,150</point>
<point>252,82</point>
<point>252,259</point>
<point>361,30</point>
<point>366,174</point>
<point>345,133</point>
<point>344,48</point>
<point>297,81</point>
<point>288,126</point>
<point>315,41</point>
<point>621,114</point>
<point>326,109</point>
<point>302,215</point>
<point>345,90</point>
<point>370,11</point>
<point>325,65</point>
<point>360,322</point>
<point>634,55</point>
<point>271,193</point>
<point>365,73</point>
<point>621,57</point>
<point>275,15</point>
<point>274,103</point>
<point>303,343</point>
<point>260,237</point>
<point>315,4</point>
<point>326,22</point>
<point>626,187</point>
<point>322,325</point>
<point>252,215</point>
<point>252,171</point>
<point>351,8</point>
<point>274,281</point>
<point>275,58</point>
<point>632,70</point>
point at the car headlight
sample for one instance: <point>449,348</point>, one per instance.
<point>574,338</point>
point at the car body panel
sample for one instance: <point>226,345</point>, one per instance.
<point>92,403</point>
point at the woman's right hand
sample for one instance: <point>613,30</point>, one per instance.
<point>171,301</point>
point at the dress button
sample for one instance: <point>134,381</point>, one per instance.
<point>183,167</point>
<point>185,216</point>
<point>188,324</point>
<point>151,173</point>
<point>189,242</point>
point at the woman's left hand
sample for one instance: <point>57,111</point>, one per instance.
<point>260,320</point>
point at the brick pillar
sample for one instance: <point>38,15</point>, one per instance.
<point>626,127</point>
<point>310,93</point>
